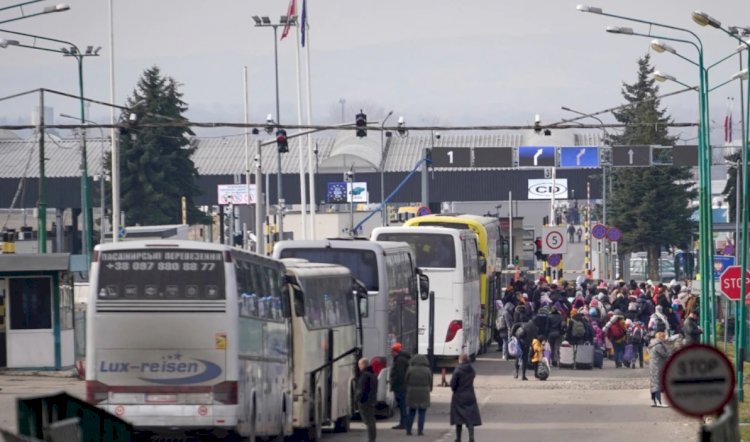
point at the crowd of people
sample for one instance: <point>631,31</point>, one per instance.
<point>534,319</point>
<point>618,320</point>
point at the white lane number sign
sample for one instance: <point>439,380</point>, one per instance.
<point>553,240</point>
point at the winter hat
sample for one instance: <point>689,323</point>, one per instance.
<point>396,347</point>
<point>618,312</point>
<point>602,285</point>
<point>594,303</point>
<point>593,311</point>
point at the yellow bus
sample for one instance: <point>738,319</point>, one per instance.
<point>488,233</point>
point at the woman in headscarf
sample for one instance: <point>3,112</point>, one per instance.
<point>659,354</point>
<point>658,321</point>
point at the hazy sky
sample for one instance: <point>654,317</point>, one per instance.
<point>433,61</point>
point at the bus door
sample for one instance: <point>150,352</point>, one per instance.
<point>3,309</point>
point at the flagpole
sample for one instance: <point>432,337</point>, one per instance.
<point>311,173</point>
<point>301,156</point>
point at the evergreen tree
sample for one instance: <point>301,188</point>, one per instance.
<point>651,204</point>
<point>155,166</point>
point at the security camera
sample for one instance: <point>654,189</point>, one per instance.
<point>401,126</point>
<point>269,123</point>
<point>348,175</point>
<point>437,135</point>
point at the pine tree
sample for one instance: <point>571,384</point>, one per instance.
<point>155,166</point>
<point>649,205</point>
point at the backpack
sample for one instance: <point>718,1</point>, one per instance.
<point>636,334</point>
<point>500,322</point>
<point>513,348</point>
<point>578,330</point>
<point>616,331</point>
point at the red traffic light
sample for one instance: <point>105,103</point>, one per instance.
<point>281,141</point>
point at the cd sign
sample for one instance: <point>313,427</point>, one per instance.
<point>543,189</point>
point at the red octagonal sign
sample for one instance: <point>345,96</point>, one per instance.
<point>731,280</point>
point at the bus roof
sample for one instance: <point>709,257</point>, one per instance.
<point>305,269</point>
<point>423,229</point>
<point>161,243</point>
<point>376,246</point>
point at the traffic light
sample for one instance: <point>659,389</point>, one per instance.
<point>281,142</point>
<point>538,249</point>
<point>361,123</point>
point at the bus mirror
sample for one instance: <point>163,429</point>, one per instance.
<point>424,286</point>
<point>286,308</point>
<point>361,291</point>
<point>363,307</point>
<point>299,302</point>
<point>482,263</point>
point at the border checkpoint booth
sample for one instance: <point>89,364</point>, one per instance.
<point>36,312</point>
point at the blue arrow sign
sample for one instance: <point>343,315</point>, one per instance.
<point>583,156</point>
<point>536,156</point>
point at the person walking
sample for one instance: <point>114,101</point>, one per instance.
<point>571,233</point>
<point>366,394</point>
<point>691,329</point>
<point>659,354</point>
<point>418,388</point>
<point>525,333</point>
<point>464,407</point>
<point>579,234</point>
<point>398,382</point>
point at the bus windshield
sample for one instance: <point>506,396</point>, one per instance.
<point>432,249</point>
<point>155,274</point>
<point>362,263</point>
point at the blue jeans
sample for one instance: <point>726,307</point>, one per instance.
<point>619,352</point>
<point>401,402</point>
<point>420,422</point>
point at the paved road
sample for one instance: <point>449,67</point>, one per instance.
<point>609,404</point>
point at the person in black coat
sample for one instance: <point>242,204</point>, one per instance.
<point>366,394</point>
<point>464,407</point>
<point>525,332</point>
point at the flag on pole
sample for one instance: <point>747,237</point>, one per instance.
<point>290,12</point>
<point>304,22</point>
<point>728,124</point>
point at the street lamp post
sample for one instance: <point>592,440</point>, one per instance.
<point>101,178</point>
<point>72,51</point>
<point>604,180</point>
<point>265,22</point>
<point>704,164</point>
<point>383,214</point>
<point>703,19</point>
<point>48,10</point>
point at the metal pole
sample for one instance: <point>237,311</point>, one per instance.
<point>302,187</point>
<point>114,133</point>
<point>740,357</point>
<point>604,220</point>
<point>260,247</point>
<point>42,201</point>
<point>510,228</point>
<point>88,226</point>
<point>383,211</point>
<point>425,180</point>
<point>279,197</point>
<point>102,210</point>
<point>552,218</point>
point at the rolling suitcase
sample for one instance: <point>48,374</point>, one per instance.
<point>567,355</point>
<point>584,356</point>
<point>598,358</point>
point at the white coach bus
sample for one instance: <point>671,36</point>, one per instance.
<point>389,273</point>
<point>327,343</point>
<point>449,257</point>
<point>190,335</point>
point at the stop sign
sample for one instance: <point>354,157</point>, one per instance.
<point>731,280</point>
